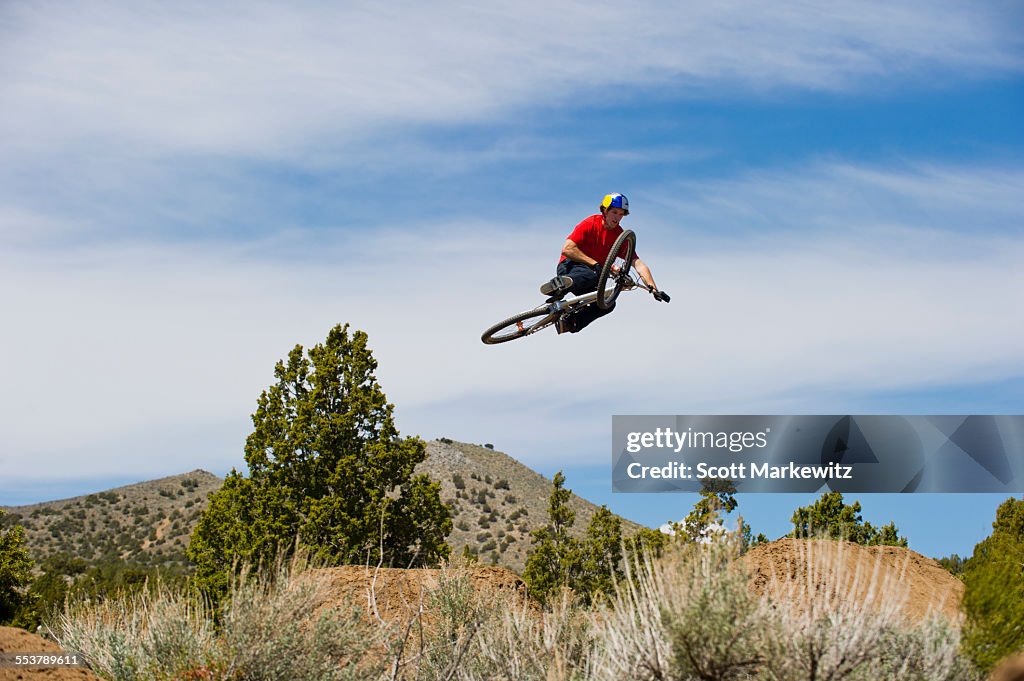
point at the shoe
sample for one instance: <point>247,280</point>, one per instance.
<point>557,286</point>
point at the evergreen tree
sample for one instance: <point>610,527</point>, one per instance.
<point>954,563</point>
<point>15,569</point>
<point>831,518</point>
<point>886,535</point>
<point>746,536</point>
<point>994,589</point>
<point>602,555</point>
<point>555,560</point>
<point>49,590</point>
<point>647,542</point>
<point>716,496</point>
<point>327,470</point>
<point>590,567</point>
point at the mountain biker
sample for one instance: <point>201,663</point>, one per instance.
<point>583,254</point>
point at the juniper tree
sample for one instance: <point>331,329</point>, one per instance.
<point>555,560</point>
<point>716,496</point>
<point>832,518</point>
<point>327,471</point>
<point>994,589</point>
<point>15,569</point>
<point>602,554</point>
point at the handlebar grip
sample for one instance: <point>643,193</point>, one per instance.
<point>663,297</point>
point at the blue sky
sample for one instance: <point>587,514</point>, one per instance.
<point>832,194</point>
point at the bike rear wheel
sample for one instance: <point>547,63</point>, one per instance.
<point>518,326</point>
<point>606,295</point>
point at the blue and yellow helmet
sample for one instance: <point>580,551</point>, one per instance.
<point>615,201</point>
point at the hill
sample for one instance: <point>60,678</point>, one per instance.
<point>496,503</point>
<point>147,523</point>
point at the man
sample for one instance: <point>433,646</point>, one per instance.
<point>583,255</point>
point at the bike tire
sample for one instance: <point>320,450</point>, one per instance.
<point>516,328</point>
<point>606,296</point>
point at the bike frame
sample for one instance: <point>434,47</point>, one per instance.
<point>557,308</point>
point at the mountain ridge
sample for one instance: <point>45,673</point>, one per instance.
<point>496,502</point>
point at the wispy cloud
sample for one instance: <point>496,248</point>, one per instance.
<point>856,199</point>
<point>302,79</point>
<point>162,349</point>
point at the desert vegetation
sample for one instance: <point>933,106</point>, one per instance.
<point>687,615</point>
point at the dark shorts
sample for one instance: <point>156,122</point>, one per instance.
<point>584,280</point>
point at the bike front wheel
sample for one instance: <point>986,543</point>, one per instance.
<point>615,268</point>
<point>518,326</point>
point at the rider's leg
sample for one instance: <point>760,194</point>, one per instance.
<point>587,314</point>
<point>584,278</point>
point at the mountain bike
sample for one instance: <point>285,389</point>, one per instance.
<point>615,277</point>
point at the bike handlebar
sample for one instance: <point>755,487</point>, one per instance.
<point>633,282</point>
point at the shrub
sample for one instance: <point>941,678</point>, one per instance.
<point>525,645</point>
<point>690,615</point>
<point>830,517</point>
<point>269,628</point>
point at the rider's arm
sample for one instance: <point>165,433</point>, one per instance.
<point>573,252</point>
<point>645,273</point>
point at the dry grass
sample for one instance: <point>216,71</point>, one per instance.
<point>691,615</point>
<point>271,627</point>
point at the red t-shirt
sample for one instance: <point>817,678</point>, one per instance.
<point>593,239</point>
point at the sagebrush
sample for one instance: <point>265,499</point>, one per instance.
<point>687,615</point>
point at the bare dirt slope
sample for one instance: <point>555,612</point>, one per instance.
<point>788,570</point>
<point>793,569</point>
<point>1010,669</point>
<point>398,593</point>
<point>20,641</point>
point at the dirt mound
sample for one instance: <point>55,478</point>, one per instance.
<point>20,641</point>
<point>1010,669</point>
<point>796,570</point>
<point>396,592</point>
